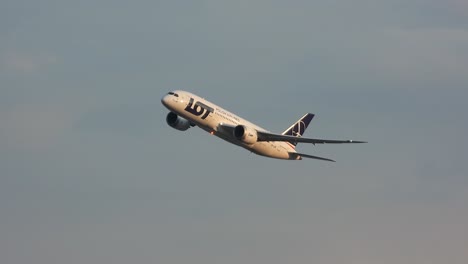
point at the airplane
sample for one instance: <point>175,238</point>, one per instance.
<point>189,110</point>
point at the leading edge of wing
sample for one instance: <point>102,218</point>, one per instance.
<point>265,136</point>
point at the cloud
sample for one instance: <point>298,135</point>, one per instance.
<point>27,63</point>
<point>414,57</point>
<point>456,7</point>
<point>33,127</point>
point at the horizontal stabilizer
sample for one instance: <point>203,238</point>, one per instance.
<point>300,155</point>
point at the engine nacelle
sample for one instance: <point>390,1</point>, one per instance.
<point>245,134</point>
<point>177,122</point>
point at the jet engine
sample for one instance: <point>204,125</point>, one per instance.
<point>245,134</point>
<point>177,122</point>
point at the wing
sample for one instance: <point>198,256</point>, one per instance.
<point>228,129</point>
<point>266,136</point>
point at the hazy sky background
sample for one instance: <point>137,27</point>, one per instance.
<point>91,173</point>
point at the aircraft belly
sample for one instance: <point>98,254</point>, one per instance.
<point>210,124</point>
<point>260,148</point>
<point>269,149</point>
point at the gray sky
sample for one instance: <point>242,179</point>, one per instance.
<point>91,173</point>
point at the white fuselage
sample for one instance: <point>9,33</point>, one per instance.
<point>208,116</point>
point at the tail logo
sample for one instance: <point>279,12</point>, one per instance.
<point>298,129</point>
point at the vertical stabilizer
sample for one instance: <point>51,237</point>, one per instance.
<point>297,129</point>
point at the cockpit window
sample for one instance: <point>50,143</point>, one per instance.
<point>174,94</point>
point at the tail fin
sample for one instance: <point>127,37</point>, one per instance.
<point>298,128</point>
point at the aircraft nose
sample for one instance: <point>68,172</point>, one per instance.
<point>165,100</point>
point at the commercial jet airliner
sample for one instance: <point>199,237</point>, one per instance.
<point>189,110</point>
